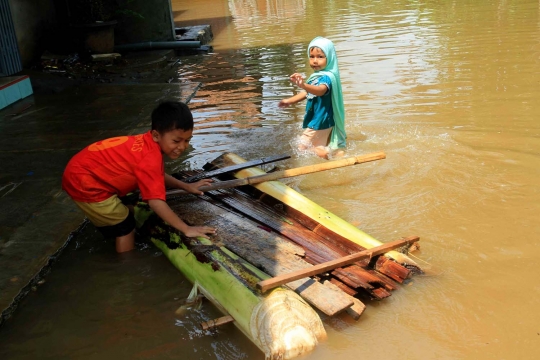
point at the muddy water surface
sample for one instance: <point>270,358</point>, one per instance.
<point>449,90</point>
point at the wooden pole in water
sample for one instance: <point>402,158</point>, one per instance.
<point>328,165</point>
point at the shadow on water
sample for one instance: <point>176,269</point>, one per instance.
<point>95,303</point>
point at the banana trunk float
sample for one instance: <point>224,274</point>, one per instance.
<point>280,323</point>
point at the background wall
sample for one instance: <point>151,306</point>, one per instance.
<point>43,25</point>
<point>33,19</point>
<point>157,24</point>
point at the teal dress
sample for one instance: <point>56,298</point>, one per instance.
<point>338,136</point>
<point>319,112</point>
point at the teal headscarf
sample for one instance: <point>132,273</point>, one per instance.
<point>338,137</point>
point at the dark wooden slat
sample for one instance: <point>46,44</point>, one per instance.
<point>389,284</point>
<point>343,287</point>
<point>353,276</point>
<point>268,217</point>
<point>392,269</point>
<point>233,168</point>
<point>360,276</point>
<point>381,293</point>
<point>353,283</point>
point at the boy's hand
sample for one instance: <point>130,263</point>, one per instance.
<point>202,231</point>
<point>193,188</point>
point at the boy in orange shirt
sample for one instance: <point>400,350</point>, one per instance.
<point>99,175</point>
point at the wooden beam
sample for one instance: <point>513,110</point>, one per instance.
<point>210,324</point>
<point>334,264</point>
<point>356,309</point>
<point>328,165</point>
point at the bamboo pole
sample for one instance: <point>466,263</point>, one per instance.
<point>271,283</point>
<point>252,180</point>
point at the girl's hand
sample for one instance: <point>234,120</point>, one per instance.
<point>202,231</point>
<point>193,188</point>
<point>297,79</point>
<point>284,103</point>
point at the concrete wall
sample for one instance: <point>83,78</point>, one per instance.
<point>157,25</point>
<point>42,25</point>
<point>32,20</point>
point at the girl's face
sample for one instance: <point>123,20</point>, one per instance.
<point>317,59</point>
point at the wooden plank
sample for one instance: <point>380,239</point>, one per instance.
<point>358,307</point>
<point>392,269</point>
<point>233,168</point>
<point>330,301</point>
<point>210,324</point>
<point>268,251</point>
<point>267,216</point>
<point>265,285</point>
<point>381,293</point>
<point>347,290</point>
<point>357,275</point>
<point>389,284</point>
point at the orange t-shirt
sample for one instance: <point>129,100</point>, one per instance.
<point>117,165</point>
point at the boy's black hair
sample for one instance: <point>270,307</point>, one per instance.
<point>172,115</point>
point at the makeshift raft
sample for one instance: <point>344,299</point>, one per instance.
<point>265,233</point>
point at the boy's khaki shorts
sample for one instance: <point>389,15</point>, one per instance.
<point>105,213</point>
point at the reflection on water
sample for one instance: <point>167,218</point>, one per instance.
<point>447,89</point>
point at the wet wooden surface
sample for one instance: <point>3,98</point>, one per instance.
<point>265,249</point>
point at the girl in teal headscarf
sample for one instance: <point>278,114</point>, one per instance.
<point>324,120</point>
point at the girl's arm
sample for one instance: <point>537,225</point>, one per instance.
<point>293,99</point>
<point>163,210</point>
<point>317,90</point>
<point>193,188</point>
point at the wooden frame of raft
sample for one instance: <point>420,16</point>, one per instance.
<point>319,243</point>
<point>262,238</point>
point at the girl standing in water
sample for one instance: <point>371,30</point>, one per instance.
<point>324,120</point>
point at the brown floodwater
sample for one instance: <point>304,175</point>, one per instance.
<point>446,88</point>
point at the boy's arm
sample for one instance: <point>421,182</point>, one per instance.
<point>193,188</point>
<point>163,210</point>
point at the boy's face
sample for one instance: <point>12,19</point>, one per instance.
<point>173,143</point>
<point>317,59</point>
